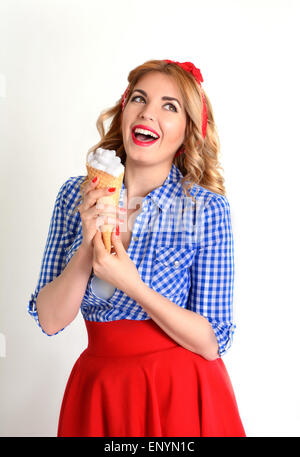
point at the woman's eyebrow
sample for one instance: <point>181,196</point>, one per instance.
<point>163,98</point>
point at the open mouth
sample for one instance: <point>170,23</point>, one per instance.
<point>141,139</point>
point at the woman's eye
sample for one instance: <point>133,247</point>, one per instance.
<point>171,104</point>
<point>139,96</point>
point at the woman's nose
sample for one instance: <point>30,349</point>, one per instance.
<point>148,112</point>
<point>147,116</point>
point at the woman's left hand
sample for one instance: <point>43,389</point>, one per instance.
<point>118,269</point>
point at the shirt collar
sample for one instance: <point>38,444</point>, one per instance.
<point>163,195</point>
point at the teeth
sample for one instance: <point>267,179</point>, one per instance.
<point>145,132</point>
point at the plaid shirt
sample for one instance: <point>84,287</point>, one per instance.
<point>182,249</point>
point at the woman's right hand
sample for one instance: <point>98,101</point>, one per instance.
<point>89,212</point>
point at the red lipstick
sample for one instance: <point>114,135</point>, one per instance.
<point>145,127</point>
<point>143,143</point>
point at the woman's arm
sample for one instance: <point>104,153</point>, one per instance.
<point>58,302</point>
<point>187,328</point>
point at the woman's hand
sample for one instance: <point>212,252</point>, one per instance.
<point>89,212</point>
<point>117,269</point>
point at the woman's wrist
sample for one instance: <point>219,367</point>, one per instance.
<point>86,254</point>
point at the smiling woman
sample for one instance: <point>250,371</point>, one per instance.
<point>200,162</point>
<point>153,364</point>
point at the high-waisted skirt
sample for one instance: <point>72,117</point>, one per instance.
<point>133,380</point>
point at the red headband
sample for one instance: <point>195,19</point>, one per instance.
<point>190,68</point>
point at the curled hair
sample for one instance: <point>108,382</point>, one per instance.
<point>199,164</point>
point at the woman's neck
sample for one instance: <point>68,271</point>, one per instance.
<point>140,181</point>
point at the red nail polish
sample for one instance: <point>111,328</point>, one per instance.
<point>117,230</point>
<point>95,179</point>
<point>111,189</point>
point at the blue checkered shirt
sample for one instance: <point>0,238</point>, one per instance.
<point>182,249</point>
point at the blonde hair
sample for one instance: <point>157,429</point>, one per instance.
<point>199,164</point>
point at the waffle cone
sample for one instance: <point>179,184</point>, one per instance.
<point>106,180</point>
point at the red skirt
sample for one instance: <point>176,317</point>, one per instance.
<point>133,380</point>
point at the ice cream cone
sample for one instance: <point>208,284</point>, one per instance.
<point>106,180</point>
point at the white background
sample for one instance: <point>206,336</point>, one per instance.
<point>62,62</point>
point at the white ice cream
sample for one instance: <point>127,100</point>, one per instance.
<point>106,160</point>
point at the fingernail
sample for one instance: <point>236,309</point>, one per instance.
<point>111,189</point>
<point>95,179</point>
<point>117,230</point>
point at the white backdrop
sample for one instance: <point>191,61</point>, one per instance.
<point>64,61</point>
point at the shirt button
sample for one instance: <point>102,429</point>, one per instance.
<point>176,263</point>
<point>135,238</point>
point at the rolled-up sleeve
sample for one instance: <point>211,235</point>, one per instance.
<point>53,260</point>
<point>212,272</point>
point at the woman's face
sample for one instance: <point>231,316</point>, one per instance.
<point>167,118</point>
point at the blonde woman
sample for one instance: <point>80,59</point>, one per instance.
<point>158,309</point>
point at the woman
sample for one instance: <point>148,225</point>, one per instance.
<point>153,364</point>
